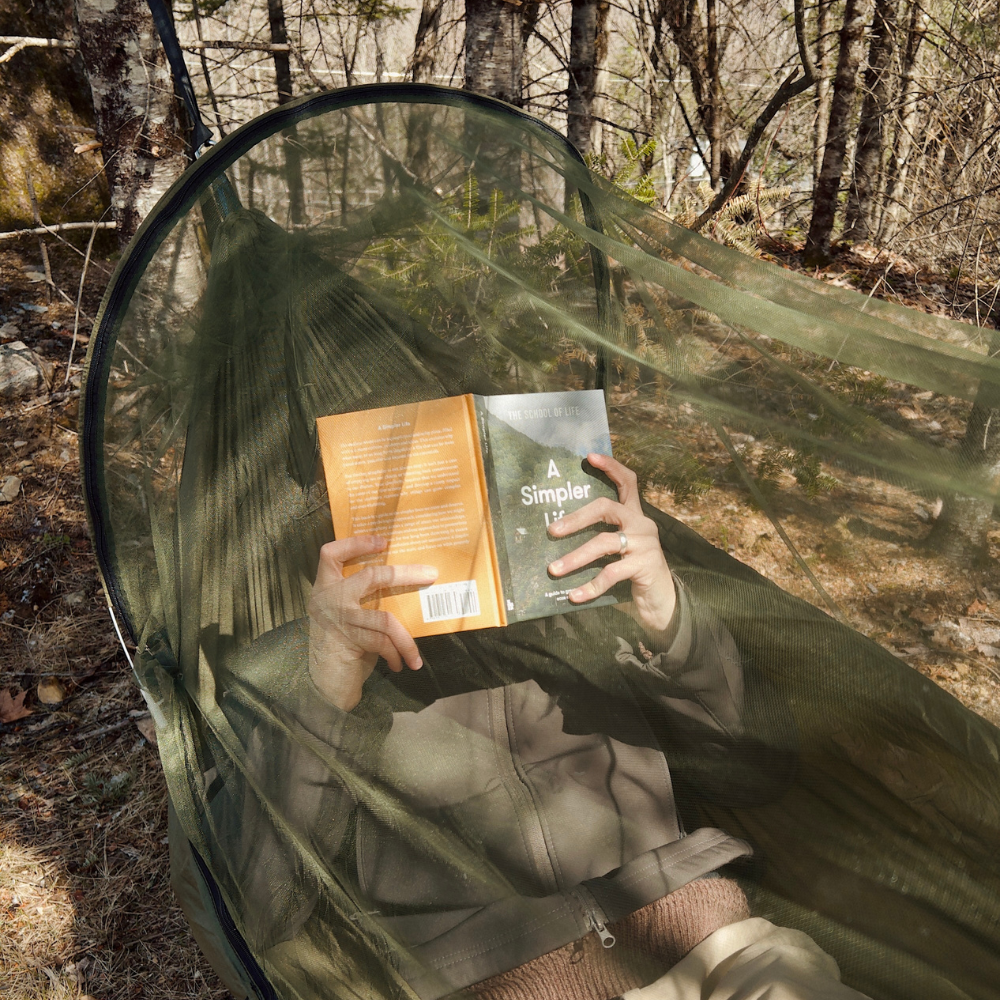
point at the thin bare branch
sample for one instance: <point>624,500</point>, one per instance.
<point>62,227</point>
<point>791,87</point>
<point>18,43</point>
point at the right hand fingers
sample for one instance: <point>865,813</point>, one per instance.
<point>378,632</point>
<point>333,555</point>
<point>372,578</point>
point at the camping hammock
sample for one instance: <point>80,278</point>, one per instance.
<point>445,243</point>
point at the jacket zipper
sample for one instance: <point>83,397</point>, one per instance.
<point>596,917</point>
<point>524,804</point>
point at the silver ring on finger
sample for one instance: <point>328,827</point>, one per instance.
<point>622,543</point>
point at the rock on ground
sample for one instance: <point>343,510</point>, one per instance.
<point>22,372</point>
<point>9,489</point>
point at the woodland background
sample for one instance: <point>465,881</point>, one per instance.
<point>856,140</point>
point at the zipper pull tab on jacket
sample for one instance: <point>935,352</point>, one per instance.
<point>607,938</point>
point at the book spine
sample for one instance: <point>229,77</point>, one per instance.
<point>504,587</point>
<point>478,419</point>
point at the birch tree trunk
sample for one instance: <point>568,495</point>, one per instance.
<point>860,217</point>
<point>135,111</point>
<point>494,49</point>
<point>601,75</point>
<point>582,73</point>
<point>828,187</point>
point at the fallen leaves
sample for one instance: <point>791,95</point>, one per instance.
<point>12,706</point>
<point>51,691</point>
<point>147,727</point>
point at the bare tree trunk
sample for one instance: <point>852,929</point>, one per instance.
<point>701,59</point>
<point>667,153</point>
<point>283,80</point>
<point>960,530</point>
<point>822,89</point>
<point>714,93</point>
<point>582,73</point>
<point>828,187</point>
<point>282,64</point>
<point>206,73</point>
<point>136,114</point>
<point>494,50</point>
<point>423,62</point>
<point>907,115</point>
<point>861,212</point>
<point>600,74</point>
<point>791,87</point>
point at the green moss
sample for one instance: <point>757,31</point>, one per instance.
<point>42,118</point>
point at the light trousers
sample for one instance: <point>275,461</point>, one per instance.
<point>751,960</point>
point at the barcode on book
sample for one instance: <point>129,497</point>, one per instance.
<point>449,600</point>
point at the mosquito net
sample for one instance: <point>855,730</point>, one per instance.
<point>532,787</point>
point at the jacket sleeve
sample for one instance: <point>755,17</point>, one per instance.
<point>304,770</point>
<point>693,670</point>
<point>721,742</point>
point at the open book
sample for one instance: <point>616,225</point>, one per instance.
<point>469,484</point>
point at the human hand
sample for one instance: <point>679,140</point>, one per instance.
<point>653,595</point>
<point>345,639</point>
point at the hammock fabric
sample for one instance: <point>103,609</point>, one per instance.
<point>446,243</point>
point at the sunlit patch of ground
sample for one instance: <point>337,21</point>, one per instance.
<point>863,542</point>
<point>38,916</point>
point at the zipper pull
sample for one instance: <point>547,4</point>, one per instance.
<point>607,938</point>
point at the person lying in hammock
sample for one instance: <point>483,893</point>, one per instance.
<point>503,800</point>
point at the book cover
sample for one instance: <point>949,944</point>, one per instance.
<point>535,447</point>
<point>469,484</point>
<point>413,474</point>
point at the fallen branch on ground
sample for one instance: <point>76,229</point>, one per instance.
<point>114,727</point>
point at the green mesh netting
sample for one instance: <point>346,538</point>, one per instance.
<point>500,802</point>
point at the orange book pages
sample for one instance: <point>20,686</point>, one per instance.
<point>412,474</point>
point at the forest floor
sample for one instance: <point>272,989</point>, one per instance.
<point>86,907</point>
<point>85,903</point>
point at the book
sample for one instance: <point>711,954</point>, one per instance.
<point>470,484</point>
